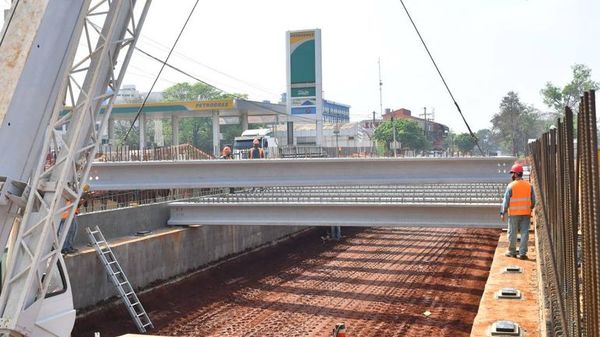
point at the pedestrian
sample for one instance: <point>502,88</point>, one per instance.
<point>256,151</point>
<point>226,153</point>
<point>519,200</point>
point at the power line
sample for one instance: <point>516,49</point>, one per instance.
<point>161,68</point>
<point>12,14</point>
<point>249,84</point>
<point>212,86</point>
<point>443,80</point>
<point>176,68</point>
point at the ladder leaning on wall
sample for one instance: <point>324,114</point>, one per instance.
<point>118,278</point>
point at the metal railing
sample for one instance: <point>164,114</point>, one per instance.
<point>116,153</point>
<point>476,193</point>
<point>567,183</point>
<point>107,200</point>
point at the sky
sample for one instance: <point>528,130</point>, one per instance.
<point>484,49</point>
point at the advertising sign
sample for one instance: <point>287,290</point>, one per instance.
<point>304,80</point>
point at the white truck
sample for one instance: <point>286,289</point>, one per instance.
<point>243,143</point>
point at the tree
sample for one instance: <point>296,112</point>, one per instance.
<point>487,141</point>
<point>197,130</point>
<point>408,133</point>
<point>197,91</point>
<point>557,98</point>
<point>465,142</point>
<point>515,124</point>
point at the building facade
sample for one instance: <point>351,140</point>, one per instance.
<point>435,132</point>
<point>333,112</point>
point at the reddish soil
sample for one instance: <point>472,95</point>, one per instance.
<point>378,281</point>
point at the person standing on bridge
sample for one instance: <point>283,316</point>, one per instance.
<point>256,151</point>
<point>519,200</point>
<point>226,153</point>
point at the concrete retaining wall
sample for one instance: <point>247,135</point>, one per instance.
<point>123,222</point>
<point>161,255</point>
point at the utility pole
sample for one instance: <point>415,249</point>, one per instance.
<point>394,137</point>
<point>425,122</point>
<point>380,89</point>
<point>373,136</point>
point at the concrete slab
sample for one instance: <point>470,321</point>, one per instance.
<point>524,311</point>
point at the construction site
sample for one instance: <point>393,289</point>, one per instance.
<point>296,235</point>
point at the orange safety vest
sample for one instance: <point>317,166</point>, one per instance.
<point>520,201</point>
<point>65,214</point>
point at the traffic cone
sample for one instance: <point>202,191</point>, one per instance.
<point>339,330</point>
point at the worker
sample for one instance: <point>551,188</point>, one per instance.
<point>519,200</point>
<point>68,245</point>
<point>226,153</point>
<point>256,151</point>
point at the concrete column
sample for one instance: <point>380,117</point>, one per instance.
<point>174,130</point>
<point>319,132</point>
<point>111,130</point>
<point>142,125</point>
<point>290,133</point>
<point>216,132</point>
<point>159,137</point>
<point>244,120</point>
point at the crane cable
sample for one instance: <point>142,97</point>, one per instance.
<point>181,71</point>
<point>161,69</point>
<point>7,24</point>
<point>443,80</point>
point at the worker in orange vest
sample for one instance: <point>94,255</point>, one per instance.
<point>519,200</point>
<point>68,244</point>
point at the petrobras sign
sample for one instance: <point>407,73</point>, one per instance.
<point>304,87</point>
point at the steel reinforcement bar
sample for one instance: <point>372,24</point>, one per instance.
<point>568,215</point>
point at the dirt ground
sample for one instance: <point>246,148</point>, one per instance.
<point>378,281</point>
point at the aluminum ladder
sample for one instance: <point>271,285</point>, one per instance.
<point>118,278</point>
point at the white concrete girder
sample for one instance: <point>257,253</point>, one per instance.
<point>336,214</point>
<point>297,172</point>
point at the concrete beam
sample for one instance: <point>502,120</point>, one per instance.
<point>297,172</point>
<point>336,214</point>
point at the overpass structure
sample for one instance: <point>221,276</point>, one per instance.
<point>437,192</point>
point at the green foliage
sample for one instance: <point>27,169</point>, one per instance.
<point>464,142</point>
<point>133,139</point>
<point>198,131</point>
<point>557,98</point>
<point>408,133</point>
<point>515,124</point>
<point>487,141</point>
<point>196,92</point>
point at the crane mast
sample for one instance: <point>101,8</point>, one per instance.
<point>53,54</point>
